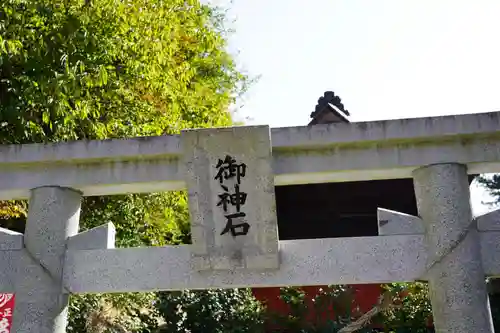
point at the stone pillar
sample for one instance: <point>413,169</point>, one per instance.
<point>457,283</point>
<point>53,216</point>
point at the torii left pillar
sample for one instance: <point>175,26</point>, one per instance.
<point>53,217</point>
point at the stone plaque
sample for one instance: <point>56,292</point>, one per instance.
<point>230,184</point>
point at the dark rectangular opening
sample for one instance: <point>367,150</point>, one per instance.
<point>347,209</point>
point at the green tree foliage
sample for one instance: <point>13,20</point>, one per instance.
<point>111,68</point>
<point>215,311</point>
<point>338,299</point>
<point>406,309</point>
<point>412,312</point>
<point>492,184</point>
<point>98,69</point>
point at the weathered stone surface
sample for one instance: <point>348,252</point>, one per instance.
<point>490,252</point>
<point>304,154</point>
<point>396,223</point>
<point>231,198</point>
<point>456,278</point>
<point>489,221</point>
<point>358,260</point>
<point>101,237</point>
<point>54,214</point>
<point>41,301</point>
<point>8,271</point>
<point>326,261</point>
<point>10,240</point>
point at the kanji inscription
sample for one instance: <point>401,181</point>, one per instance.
<point>229,169</point>
<point>230,184</point>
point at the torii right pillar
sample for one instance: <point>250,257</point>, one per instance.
<point>457,286</point>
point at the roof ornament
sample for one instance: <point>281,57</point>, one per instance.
<point>329,97</point>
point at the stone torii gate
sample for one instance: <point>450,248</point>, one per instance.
<point>230,175</point>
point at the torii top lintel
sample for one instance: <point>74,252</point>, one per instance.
<point>304,154</point>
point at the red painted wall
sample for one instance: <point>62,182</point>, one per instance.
<point>365,297</point>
